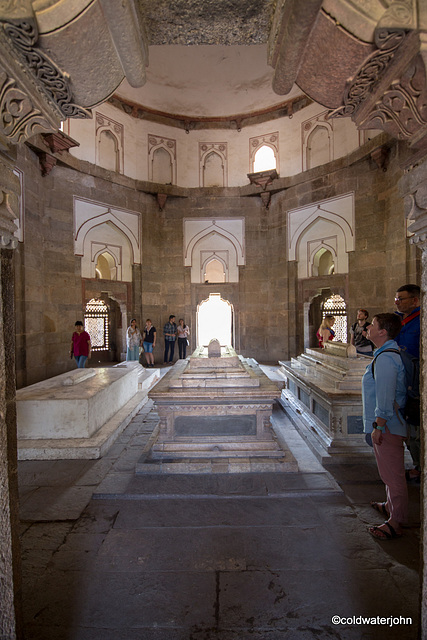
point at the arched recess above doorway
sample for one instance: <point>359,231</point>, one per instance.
<point>208,239</point>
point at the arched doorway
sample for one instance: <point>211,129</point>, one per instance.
<point>215,320</point>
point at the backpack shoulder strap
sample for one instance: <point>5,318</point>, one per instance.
<point>385,351</point>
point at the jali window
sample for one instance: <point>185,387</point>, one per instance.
<point>335,306</point>
<point>96,324</point>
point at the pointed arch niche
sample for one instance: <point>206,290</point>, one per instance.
<point>213,168</point>
<point>107,239</point>
<point>317,141</point>
<point>214,248</point>
<point>321,235</point>
<point>161,159</point>
<point>109,147</point>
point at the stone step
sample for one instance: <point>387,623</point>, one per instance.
<point>217,447</point>
<point>205,453</point>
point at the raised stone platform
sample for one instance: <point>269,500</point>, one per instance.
<point>215,414</point>
<point>323,398</point>
<point>79,414</point>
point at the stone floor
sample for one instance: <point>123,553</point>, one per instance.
<point>109,555</point>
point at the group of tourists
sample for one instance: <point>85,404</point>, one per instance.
<point>136,342</point>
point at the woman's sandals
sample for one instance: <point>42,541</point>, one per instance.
<point>383,534</point>
<point>381,508</point>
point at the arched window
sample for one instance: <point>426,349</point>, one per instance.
<point>106,267</point>
<point>323,263</point>
<point>214,271</point>
<point>96,324</point>
<point>265,159</point>
<point>335,306</point>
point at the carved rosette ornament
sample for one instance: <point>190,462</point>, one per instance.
<point>19,118</point>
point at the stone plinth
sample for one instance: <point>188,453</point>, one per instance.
<point>79,414</point>
<point>323,397</point>
<point>215,408</point>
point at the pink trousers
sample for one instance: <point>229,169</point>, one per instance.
<point>390,462</point>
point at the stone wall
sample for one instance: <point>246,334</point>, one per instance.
<point>10,564</point>
<point>269,301</point>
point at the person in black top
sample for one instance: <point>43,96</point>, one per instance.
<point>358,333</point>
<point>149,342</point>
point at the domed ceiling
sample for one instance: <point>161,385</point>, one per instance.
<point>206,81</point>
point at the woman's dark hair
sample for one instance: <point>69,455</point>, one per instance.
<point>79,323</point>
<point>390,322</point>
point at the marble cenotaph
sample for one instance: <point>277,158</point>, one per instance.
<point>323,398</point>
<point>214,409</point>
<point>79,414</point>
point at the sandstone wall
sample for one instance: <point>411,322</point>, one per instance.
<point>269,301</point>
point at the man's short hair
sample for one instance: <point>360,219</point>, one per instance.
<point>390,322</point>
<point>79,323</point>
<point>365,311</point>
<point>171,316</point>
<point>412,289</point>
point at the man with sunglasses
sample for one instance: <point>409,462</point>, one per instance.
<point>407,302</point>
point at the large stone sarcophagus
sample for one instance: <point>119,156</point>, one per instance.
<point>215,406</point>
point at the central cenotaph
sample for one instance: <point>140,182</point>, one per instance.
<point>214,409</point>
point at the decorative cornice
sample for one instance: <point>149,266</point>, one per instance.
<point>190,123</point>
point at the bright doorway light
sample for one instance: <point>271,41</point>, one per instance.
<point>214,320</point>
<point>264,159</point>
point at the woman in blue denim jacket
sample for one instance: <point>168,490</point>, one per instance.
<point>383,392</point>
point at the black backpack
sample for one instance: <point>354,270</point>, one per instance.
<point>411,411</point>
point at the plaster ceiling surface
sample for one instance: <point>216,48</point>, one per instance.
<point>207,58</point>
<point>207,81</point>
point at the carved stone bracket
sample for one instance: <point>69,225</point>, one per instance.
<point>161,200</point>
<point>389,91</point>
<point>265,197</point>
<point>23,36</point>
<point>59,141</point>
<point>381,156</point>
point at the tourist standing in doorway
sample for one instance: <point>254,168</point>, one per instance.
<point>133,341</point>
<point>407,301</point>
<point>359,334</point>
<point>80,345</point>
<point>169,332</point>
<point>149,343</point>
<point>183,332</point>
<point>383,392</point>
<point>325,331</point>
